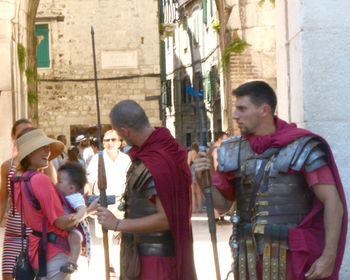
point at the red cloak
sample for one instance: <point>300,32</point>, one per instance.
<point>307,240</point>
<point>165,158</point>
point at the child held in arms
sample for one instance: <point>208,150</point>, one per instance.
<point>71,181</point>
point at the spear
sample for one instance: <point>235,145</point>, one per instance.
<point>102,186</point>
<point>207,186</point>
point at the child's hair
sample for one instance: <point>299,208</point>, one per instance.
<point>76,173</point>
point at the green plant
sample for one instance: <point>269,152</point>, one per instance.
<point>21,52</point>
<point>237,46</point>
<point>216,25</point>
<point>261,2</point>
<point>32,75</point>
<point>32,97</point>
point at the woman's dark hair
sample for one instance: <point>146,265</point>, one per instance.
<point>76,173</point>
<point>73,154</point>
<point>24,164</point>
<point>17,123</point>
<point>94,142</point>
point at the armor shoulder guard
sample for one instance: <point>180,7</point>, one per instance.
<point>305,151</point>
<point>312,156</point>
<point>150,188</point>
<point>228,154</point>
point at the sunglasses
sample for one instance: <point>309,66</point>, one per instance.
<point>110,139</point>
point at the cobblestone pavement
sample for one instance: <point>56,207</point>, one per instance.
<point>204,260</point>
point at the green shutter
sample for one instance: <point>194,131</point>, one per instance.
<point>205,18</point>
<point>43,49</point>
<point>161,12</point>
<point>162,61</point>
<point>213,75</point>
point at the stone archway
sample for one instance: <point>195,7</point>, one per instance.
<point>17,53</point>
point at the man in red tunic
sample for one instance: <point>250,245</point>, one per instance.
<point>290,199</point>
<point>157,200</point>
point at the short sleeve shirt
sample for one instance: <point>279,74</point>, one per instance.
<point>51,209</point>
<point>75,200</point>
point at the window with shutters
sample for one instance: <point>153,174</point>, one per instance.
<point>195,25</point>
<point>186,98</point>
<point>43,47</point>
<point>213,77</point>
<point>168,93</point>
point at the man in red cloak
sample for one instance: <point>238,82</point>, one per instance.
<point>284,180</point>
<point>157,200</point>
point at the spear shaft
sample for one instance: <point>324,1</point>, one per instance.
<point>101,168</point>
<point>207,187</point>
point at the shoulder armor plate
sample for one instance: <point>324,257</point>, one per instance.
<point>304,151</point>
<point>228,154</point>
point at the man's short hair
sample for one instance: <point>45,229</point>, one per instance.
<point>259,92</point>
<point>76,173</point>
<point>128,114</point>
<point>61,137</point>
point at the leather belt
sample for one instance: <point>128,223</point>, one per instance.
<point>161,250</point>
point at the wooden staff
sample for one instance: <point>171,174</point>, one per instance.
<point>102,186</point>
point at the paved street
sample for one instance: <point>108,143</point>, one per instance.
<point>202,249</point>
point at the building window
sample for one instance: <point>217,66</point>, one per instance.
<point>186,98</point>
<point>199,81</point>
<point>188,139</point>
<point>168,93</point>
<point>43,47</point>
<point>195,25</point>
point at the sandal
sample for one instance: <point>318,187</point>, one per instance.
<point>69,268</point>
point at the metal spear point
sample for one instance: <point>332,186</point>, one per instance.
<point>102,186</point>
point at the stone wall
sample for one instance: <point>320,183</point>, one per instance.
<point>127,54</point>
<point>16,21</point>
<point>313,77</point>
<point>255,24</point>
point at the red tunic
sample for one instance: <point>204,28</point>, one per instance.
<point>165,158</point>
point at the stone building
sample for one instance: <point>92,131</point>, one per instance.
<point>311,73</point>
<point>252,23</point>
<point>127,55</point>
<point>192,63</point>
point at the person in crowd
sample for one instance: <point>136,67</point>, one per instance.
<point>62,158</point>
<point>13,234</point>
<point>73,155</point>
<point>196,191</point>
<point>85,151</point>
<point>289,195</point>
<point>213,156</point>
<point>116,165</point>
<point>157,200</point>
<point>43,211</point>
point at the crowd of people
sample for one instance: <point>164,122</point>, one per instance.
<point>281,182</point>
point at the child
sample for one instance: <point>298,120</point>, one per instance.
<point>71,182</point>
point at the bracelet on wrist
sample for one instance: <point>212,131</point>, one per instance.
<point>117,225</point>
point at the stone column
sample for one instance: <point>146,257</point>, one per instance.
<point>313,46</point>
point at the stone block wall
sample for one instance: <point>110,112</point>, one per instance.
<point>255,24</point>
<point>127,56</point>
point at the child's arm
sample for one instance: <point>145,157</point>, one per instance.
<point>79,215</point>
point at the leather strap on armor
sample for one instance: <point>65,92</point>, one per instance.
<point>140,186</point>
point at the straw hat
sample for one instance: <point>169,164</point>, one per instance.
<point>34,140</point>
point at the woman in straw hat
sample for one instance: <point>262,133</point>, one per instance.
<point>13,231</point>
<point>35,150</point>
